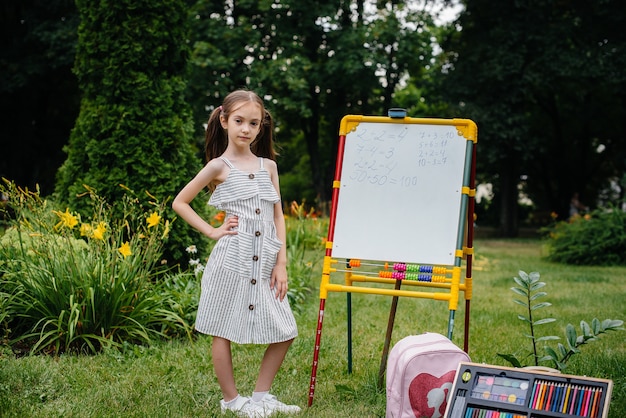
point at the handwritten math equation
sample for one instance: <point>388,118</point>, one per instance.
<point>377,155</point>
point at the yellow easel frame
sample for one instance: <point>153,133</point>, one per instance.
<point>464,251</point>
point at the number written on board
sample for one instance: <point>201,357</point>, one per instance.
<point>377,152</point>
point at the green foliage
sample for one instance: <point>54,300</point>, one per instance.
<point>69,282</point>
<point>545,93</point>
<point>574,341</point>
<point>134,126</point>
<point>42,40</point>
<point>304,232</point>
<point>72,283</point>
<point>529,286</point>
<point>598,239</point>
<point>5,315</point>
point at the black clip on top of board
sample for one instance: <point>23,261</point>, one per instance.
<point>396,113</point>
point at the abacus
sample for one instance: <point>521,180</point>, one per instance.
<point>487,391</point>
<point>404,271</point>
<point>420,173</point>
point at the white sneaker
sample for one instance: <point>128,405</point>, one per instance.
<point>271,404</point>
<point>244,407</point>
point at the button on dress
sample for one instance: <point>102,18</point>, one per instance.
<point>236,302</point>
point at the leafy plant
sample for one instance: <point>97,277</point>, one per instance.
<point>303,235</point>
<point>529,289</point>
<point>134,125</point>
<point>598,238</point>
<point>77,284</point>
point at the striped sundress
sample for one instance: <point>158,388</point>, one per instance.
<point>236,302</point>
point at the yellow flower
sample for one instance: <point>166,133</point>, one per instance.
<point>153,220</point>
<point>86,230</point>
<point>125,249</point>
<point>67,219</point>
<point>98,233</point>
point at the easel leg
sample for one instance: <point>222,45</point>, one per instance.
<point>390,323</point>
<point>316,352</point>
<point>467,323</point>
<point>451,324</point>
<point>349,305</point>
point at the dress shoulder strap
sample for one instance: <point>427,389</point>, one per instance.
<point>228,163</point>
<point>261,162</point>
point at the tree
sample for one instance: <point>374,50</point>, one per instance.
<point>315,62</point>
<point>39,95</point>
<point>542,80</point>
<point>134,126</point>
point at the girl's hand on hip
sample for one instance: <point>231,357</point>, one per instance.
<point>227,228</point>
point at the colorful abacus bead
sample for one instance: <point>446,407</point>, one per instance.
<point>399,275</point>
<point>439,270</point>
<point>413,267</point>
<point>399,267</point>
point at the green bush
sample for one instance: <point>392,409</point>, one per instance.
<point>134,126</point>
<point>78,284</point>
<point>304,236</point>
<point>598,238</point>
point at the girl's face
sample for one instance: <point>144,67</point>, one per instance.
<point>243,124</point>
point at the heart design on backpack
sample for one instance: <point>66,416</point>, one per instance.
<point>428,394</point>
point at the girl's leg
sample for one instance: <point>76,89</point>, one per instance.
<point>223,366</point>
<point>272,360</point>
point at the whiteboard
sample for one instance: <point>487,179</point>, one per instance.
<point>400,193</point>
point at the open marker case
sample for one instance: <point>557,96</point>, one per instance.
<point>486,391</point>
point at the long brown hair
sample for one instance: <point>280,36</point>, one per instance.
<point>216,138</point>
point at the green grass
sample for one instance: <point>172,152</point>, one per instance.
<point>176,379</point>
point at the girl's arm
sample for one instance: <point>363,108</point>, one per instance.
<point>278,281</point>
<point>214,170</point>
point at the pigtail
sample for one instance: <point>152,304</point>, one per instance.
<point>215,139</point>
<point>263,146</point>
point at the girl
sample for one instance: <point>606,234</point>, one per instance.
<point>245,280</point>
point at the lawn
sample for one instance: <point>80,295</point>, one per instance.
<point>176,380</point>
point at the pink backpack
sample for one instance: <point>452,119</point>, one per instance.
<point>420,373</point>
